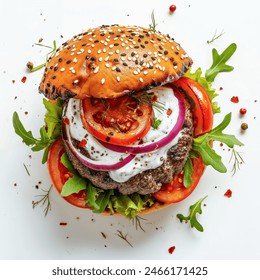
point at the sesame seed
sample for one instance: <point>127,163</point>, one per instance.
<point>107,58</point>
<point>141,79</point>
<point>104,50</point>
<point>117,51</point>
<point>72,53</point>
<point>62,69</point>
<point>75,82</point>
<point>73,71</point>
<point>100,59</point>
<point>145,72</point>
<point>107,65</point>
<point>135,72</point>
<point>96,70</point>
<point>89,51</point>
<point>111,46</point>
<point>75,60</point>
<point>118,78</point>
<point>102,81</point>
<point>99,51</point>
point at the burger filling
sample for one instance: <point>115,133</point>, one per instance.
<point>143,166</point>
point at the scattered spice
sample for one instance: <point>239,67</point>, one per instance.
<point>26,113</point>
<point>220,88</point>
<point>63,223</point>
<point>169,112</point>
<point>27,171</point>
<point>244,126</point>
<point>234,99</point>
<point>40,40</point>
<point>23,80</point>
<point>172,8</point>
<point>13,81</point>
<point>228,193</point>
<point>29,65</point>
<point>171,249</point>
<point>103,234</point>
<point>82,143</point>
<point>66,121</point>
<point>243,111</point>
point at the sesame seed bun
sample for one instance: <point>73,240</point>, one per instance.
<point>111,61</point>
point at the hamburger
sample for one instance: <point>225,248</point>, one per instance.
<point>125,120</point>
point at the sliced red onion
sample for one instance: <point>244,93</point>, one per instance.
<point>92,163</point>
<point>150,147</point>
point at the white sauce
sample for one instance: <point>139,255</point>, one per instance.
<point>141,162</point>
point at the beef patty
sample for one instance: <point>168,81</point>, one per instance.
<point>149,181</point>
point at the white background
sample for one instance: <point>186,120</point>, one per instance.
<point>231,225</point>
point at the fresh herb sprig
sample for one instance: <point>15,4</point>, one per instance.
<point>192,217</point>
<point>238,160</point>
<point>219,62</point>
<point>44,200</point>
<point>202,145</point>
<point>154,24</point>
<point>215,37</point>
<point>124,237</point>
<point>53,49</point>
<point>48,133</point>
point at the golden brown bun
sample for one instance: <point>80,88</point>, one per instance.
<point>111,61</point>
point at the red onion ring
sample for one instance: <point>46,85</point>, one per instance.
<point>89,162</point>
<point>150,147</point>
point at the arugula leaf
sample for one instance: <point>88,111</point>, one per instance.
<point>48,133</point>
<point>187,180</point>
<point>219,62</point>
<point>67,163</point>
<point>192,218</point>
<point>201,144</point>
<point>74,184</point>
<point>27,136</point>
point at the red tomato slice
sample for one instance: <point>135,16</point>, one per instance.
<point>175,191</point>
<point>60,174</point>
<point>202,121</point>
<point>202,112</point>
<point>120,121</point>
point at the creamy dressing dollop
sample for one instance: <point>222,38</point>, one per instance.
<point>141,162</point>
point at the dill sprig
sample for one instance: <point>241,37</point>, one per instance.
<point>137,222</point>
<point>215,37</point>
<point>44,200</point>
<point>154,24</point>
<point>53,49</point>
<point>238,160</point>
<point>147,98</point>
<point>124,237</point>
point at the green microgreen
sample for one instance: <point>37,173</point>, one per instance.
<point>53,49</point>
<point>192,217</point>
<point>215,37</point>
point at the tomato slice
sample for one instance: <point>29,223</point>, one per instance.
<point>202,111</point>
<point>60,174</point>
<point>175,191</point>
<point>202,121</point>
<point>120,121</point>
